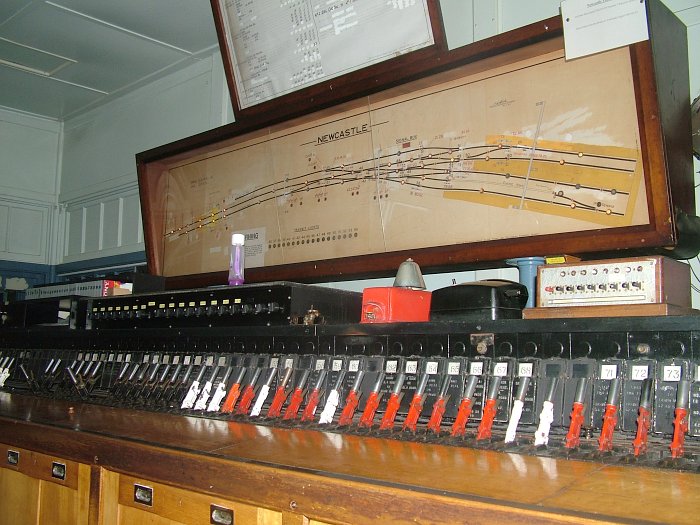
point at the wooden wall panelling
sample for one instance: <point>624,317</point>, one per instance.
<point>674,99</point>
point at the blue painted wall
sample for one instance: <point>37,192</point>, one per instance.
<point>16,275</point>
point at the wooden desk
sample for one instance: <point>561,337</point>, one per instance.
<point>299,476</point>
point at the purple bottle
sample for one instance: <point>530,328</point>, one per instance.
<point>237,264</point>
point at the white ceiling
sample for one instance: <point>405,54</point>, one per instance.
<point>61,57</point>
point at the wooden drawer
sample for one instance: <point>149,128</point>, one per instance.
<point>40,466</point>
<point>143,501</point>
<point>42,489</point>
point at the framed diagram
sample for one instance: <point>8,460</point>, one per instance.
<point>514,154</point>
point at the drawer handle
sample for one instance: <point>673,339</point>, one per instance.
<point>143,495</point>
<point>221,515</point>
<point>58,470</point>
<point>12,457</point>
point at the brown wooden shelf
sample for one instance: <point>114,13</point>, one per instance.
<point>345,478</point>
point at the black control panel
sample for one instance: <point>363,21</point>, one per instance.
<point>267,304</point>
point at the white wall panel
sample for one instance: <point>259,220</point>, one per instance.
<point>516,13</point>
<point>74,232</point>
<point>111,224</point>
<point>131,221</point>
<point>100,147</point>
<point>99,168</point>
<point>458,19</point>
<point>29,152</point>
<point>27,231</point>
<point>680,5</point>
<point>4,215</point>
<point>93,228</point>
<point>485,19</point>
<point>102,227</point>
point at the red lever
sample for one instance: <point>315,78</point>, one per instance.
<point>486,423</point>
<point>392,407</point>
<point>413,413</point>
<point>310,408</point>
<point>312,403</point>
<point>348,412</point>
<point>643,419</point>
<point>234,393</point>
<point>439,406</point>
<point>605,441</point>
<point>246,400</point>
<point>573,437</point>
<point>680,427</point>
<point>463,413</point>
<point>294,404</point>
<point>276,406</point>
<point>436,417</point>
<point>680,419</point>
<point>465,407</point>
<point>416,406</point>
<point>231,399</point>
<point>490,410</point>
<point>370,410</point>
<point>643,425</point>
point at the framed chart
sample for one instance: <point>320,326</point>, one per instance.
<point>490,156</point>
<point>280,54</point>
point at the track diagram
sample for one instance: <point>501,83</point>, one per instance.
<point>477,173</point>
<point>508,154</point>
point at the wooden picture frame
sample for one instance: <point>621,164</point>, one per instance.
<point>327,91</point>
<point>658,69</point>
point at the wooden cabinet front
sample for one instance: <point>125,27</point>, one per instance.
<point>41,489</point>
<point>20,497</point>
<point>146,502</point>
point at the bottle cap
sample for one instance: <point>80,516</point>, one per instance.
<point>237,238</point>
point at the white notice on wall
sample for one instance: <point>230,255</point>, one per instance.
<point>255,247</point>
<point>592,26</point>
